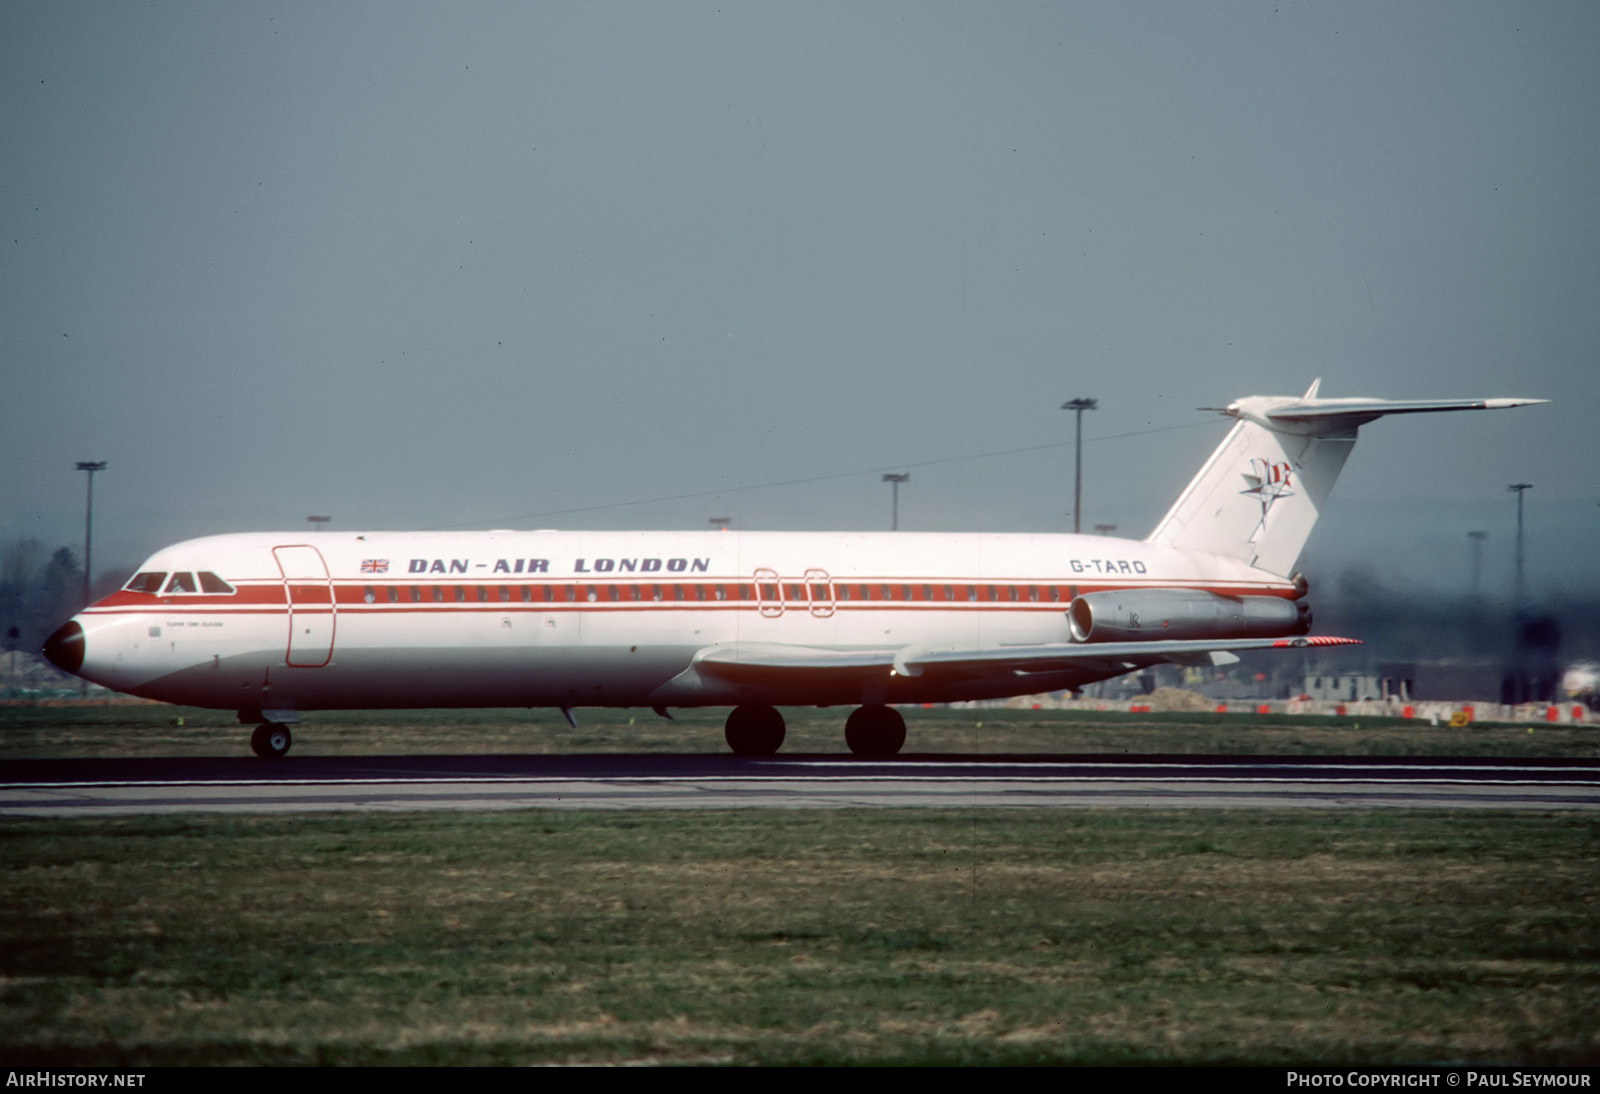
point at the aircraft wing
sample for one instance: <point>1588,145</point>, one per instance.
<point>730,658</point>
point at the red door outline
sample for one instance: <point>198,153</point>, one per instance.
<point>769,592</point>
<point>313,615</point>
<point>819,592</point>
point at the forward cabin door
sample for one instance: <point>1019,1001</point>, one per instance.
<point>312,616</point>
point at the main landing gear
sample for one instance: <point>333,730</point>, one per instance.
<point>754,731</point>
<point>873,731</point>
<point>271,740</point>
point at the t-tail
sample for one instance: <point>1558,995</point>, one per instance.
<point>1258,496</point>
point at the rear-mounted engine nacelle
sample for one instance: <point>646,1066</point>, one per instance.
<point>1149,614</point>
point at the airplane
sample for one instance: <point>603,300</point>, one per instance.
<point>274,625</point>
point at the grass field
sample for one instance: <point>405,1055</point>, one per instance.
<point>175,731</point>
<point>779,937</point>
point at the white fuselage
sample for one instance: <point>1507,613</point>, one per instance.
<point>570,619</point>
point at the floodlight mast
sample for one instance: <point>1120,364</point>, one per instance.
<point>1520,592</point>
<point>895,478</point>
<point>91,466</point>
<point>1476,539</point>
<point>1079,405</point>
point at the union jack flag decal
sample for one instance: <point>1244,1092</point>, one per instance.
<point>374,565</point>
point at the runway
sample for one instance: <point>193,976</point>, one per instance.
<point>79,788</point>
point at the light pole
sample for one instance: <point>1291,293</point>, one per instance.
<point>1517,488</point>
<point>318,522</point>
<point>1079,405</point>
<point>895,478</point>
<point>1105,529</point>
<point>720,523</point>
<point>90,466</point>
<point>1477,539</point>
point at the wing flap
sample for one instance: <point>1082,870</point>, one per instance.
<point>730,659</point>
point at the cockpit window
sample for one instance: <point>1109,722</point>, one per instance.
<point>181,583</point>
<point>149,582</point>
<point>211,583</point>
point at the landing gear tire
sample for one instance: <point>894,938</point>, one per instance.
<point>875,731</point>
<point>271,741</point>
<point>754,731</point>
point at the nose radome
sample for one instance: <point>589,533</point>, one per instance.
<point>64,648</point>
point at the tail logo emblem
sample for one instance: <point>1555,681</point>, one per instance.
<point>1268,483</point>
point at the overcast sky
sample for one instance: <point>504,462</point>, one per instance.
<point>509,265</point>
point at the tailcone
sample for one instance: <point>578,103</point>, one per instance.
<point>64,649</point>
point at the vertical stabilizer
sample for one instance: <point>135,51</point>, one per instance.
<point>1259,495</point>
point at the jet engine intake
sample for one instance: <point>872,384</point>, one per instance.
<point>1149,614</point>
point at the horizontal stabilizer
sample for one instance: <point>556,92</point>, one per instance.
<point>1349,413</point>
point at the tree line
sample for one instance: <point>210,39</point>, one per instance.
<point>40,589</point>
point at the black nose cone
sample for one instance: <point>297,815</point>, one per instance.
<point>65,648</point>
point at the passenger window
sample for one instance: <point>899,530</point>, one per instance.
<point>949,592</point>
<point>368,595</point>
<point>416,593</point>
<point>211,583</point>
<point>394,594</point>
<point>146,582</point>
<point>181,583</point>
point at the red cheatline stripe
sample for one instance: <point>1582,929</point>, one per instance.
<point>964,595</point>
